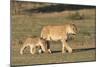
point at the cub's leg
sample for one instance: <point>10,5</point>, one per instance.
<point>32,49</point>
<point>22,48</point>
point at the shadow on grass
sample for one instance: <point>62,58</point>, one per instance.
<point>77,50</point>
<point>57,8</point>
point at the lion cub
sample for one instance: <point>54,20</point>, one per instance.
<point>33,43</point>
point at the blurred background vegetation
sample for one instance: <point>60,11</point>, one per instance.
<point>22,7</point>
<point>28,18</point>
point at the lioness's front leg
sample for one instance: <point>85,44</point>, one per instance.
<point>65,45</point>
<point>68,48</point>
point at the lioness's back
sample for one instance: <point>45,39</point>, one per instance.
<point>54,31</point>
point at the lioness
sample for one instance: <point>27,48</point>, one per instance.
<point>33,43</point>
<point>58,32</point>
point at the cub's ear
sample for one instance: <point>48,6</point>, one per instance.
<point>41,38</point>
<point>73,24</point>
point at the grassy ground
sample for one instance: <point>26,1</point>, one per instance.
<point>83,44</point>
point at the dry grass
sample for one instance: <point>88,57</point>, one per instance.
<point>25,25</point>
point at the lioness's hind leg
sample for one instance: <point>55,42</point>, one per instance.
<point>48,47</point>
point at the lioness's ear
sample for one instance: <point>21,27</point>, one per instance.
<point>75,27</point>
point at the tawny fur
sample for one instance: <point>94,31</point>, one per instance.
<point>33,43</point>
<point>59,32</point>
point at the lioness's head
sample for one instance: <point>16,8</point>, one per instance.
<point>71,29</point>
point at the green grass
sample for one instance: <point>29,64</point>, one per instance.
<point>25,25</point>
